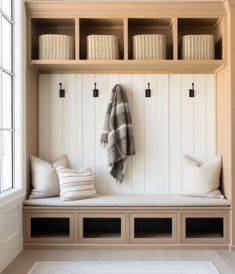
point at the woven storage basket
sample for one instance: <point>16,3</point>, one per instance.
<point>102,47</point>
<point>54,46</point>
<point>198,47</point>
<point>149,46</point>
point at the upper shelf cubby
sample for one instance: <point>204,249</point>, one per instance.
<point>202,26</point>
<point>40,26</point>
<point>152,26</point>
<point>101,26</point>
<point>165,23</point>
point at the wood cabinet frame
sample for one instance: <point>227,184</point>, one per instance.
<point>105,240</point>
<point>204,240</point>
<point>127,215</point>
<point>49,214</point>
<point>153,240</point>
<point>223,70</point>
<point>125,12</point>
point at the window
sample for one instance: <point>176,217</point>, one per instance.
<point>7,130</point>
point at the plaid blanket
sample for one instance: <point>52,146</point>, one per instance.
<point>117,133</point>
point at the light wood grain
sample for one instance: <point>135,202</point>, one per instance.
<point>28,238</point>
<point>177,214</point>
<point>209,238</point>
<point>162,9</point>
<point>31,121</point>
<point>152,238</point>
<point>105,238</point>
<point>130,66</point>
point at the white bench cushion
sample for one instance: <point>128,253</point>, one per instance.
<point>165,200</point>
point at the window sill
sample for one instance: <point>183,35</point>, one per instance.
<point>11,196</point>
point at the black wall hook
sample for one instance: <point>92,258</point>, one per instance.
<point>192,91</point>
<point>148,91</point>
<point>95,91</point>
<point>61,91</point>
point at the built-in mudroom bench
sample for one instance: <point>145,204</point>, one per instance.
<point>128,220</point>
<point>179,105</point>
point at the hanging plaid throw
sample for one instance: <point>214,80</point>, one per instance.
<point>117,133</point>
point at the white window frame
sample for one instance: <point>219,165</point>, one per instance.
<point>19,63</point>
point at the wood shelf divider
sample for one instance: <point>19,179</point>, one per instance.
<point>126,39</point>
<point>175,38</point>
<point>77,38</point>
<point>80,25</point>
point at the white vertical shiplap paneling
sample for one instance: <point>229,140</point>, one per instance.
<point>210,117</point>
<point>150,115</point>
<point>175,133</point>
<point>187,126</point>
<point>88,123</point>
<point>56,118</point>
<point>166,126</point>
<point>138,112</point>
<point>200,118</point>
<point>187,106</point>
<point>101,154</point>
<point>79,121</point>
<point>165,88</point>
<point>44,114</point>
<point>126,186</point>
<point>69,119</point>
<point>162,128</point>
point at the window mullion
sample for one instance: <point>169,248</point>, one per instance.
<point>12,97</point>
<point>1,132</point>
<point>7,71</point>
<point>7,129</point>
<point>7,135</point>
<point>7,18</point>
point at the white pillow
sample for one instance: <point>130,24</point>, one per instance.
<point>45,180</point>
<point>76,185</point>
<point>202,180</point>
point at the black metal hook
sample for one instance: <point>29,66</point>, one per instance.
<point>192,91</point>
<point>95,91</point>
<point>61,91</point>
<point>148,91</point>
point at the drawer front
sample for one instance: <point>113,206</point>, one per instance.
<point>48,227</point>
<point>102,228</point>
<point>205,228</point>
<point>153,228</point>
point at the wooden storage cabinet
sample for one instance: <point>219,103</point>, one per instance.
<point>94,227</point>
<point>101,26</point>
<point>172,28</point>
<point>214,26</point>
<point>102,228</point>
<point>39,26</point>
<point>49,227</point>
<point>151,26</point>
<point>205,228</point>
<point>125,21</point>
<point>153,228</point>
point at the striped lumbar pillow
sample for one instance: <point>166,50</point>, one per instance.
<point>76,185</point>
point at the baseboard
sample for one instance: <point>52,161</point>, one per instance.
<point>128,246</point>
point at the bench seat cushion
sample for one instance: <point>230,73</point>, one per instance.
<point>125,200</point>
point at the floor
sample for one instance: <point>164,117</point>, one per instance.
<point>223,260</point>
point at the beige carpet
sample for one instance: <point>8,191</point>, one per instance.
<point>123,268</point>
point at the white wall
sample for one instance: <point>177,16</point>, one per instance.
<point>11,240</point>
<point>166,126</point>
<point>11,232</point>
